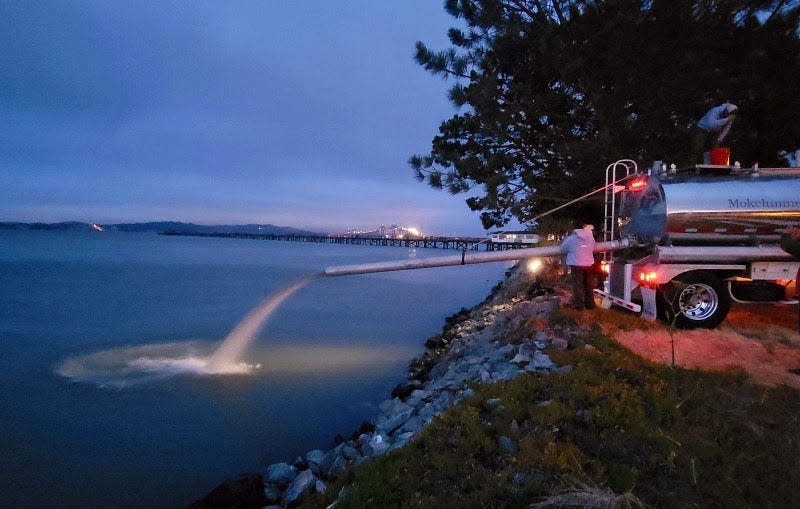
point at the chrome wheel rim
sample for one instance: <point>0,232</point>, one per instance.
<point>698,301</point>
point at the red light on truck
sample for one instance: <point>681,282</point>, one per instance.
<point>605,268</point>
<point>648,276</point>
<point>637,184</point>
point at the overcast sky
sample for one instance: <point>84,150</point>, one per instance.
<point>293,113</point>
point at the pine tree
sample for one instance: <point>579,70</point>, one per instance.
<point>551,91</point>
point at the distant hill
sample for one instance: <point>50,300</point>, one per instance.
<point>175,227</point>
<point>69,225</point>
<point>161,227</point>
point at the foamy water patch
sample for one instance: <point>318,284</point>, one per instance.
<point>121,367</point>
<point>125,366</point>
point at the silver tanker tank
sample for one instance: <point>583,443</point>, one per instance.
<point>682,209</point>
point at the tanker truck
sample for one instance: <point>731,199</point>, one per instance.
<point>679,244</point>
<point>699,239</point>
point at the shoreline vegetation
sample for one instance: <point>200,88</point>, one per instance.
<point>519,402</point>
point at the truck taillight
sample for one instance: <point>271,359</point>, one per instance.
<point>648,276</point>
<point>637,183</point>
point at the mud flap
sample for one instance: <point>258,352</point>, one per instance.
<point>609,299</point>
<point>648,303</point>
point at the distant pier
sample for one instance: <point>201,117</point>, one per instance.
<point>459,243</point>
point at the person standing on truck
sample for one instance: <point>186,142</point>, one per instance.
<point>579,246</point>
<point>716,120</point>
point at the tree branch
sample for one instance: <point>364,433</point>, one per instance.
<point>557,9</point>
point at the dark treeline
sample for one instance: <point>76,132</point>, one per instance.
<point>551,91</point>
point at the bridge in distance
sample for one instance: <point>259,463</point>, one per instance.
<point>460,243</point>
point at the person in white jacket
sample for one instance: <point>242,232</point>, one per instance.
<point>579,246</point>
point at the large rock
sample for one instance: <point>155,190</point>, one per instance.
<point>421,394</point>
<point>467,393</point>
<point>339,464</point>
<point>507,373</point>
<point>272,493</point>
<point>347,451</point>
<point>454,381</point>
<point>521,360</point>
<point>412,425</point>
<point>401,440</point>
<point>318,461</point>
<point>390,422</point>
<point>540,361</point>
<point>508,445</point>
<point>438,370</point>
<point>417,397</point>
<point>528,348</point>
<point>304,482</point>
<point>507,350</point>
<point>300,463</point>
<point>243,492</point>
<point>427,413</point>
<point>376,446</point>
<point>404,389</point>
<point>475,372</point>
<point>363,439</point>
<point>315,456</point>
<point>281,474</point>
<point>440,404</point>
<point>386,405</point>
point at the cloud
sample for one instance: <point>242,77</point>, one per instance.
<point>302,113</point>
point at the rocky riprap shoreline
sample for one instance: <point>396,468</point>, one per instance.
<point>487,344</point>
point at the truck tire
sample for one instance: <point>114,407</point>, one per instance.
<point>700,299</point>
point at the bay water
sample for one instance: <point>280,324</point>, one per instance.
<point>78,430</point>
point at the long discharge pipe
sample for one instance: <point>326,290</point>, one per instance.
<point>465,258</point>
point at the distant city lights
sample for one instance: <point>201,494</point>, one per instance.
<point>387,232</point>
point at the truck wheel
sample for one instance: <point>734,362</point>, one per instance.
<point>699,298</point>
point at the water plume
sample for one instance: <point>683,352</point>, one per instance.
<point>230,351</point>
<point>124,366</point>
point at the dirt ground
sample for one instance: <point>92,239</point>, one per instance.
<point>762,339</point>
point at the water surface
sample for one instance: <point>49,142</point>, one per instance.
<point>328,355</point>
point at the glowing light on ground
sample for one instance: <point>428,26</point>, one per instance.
<point>534,265</point>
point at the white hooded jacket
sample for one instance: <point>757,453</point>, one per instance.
<point>579,247</point>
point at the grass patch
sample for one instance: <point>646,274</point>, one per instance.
<point>619,430</point>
